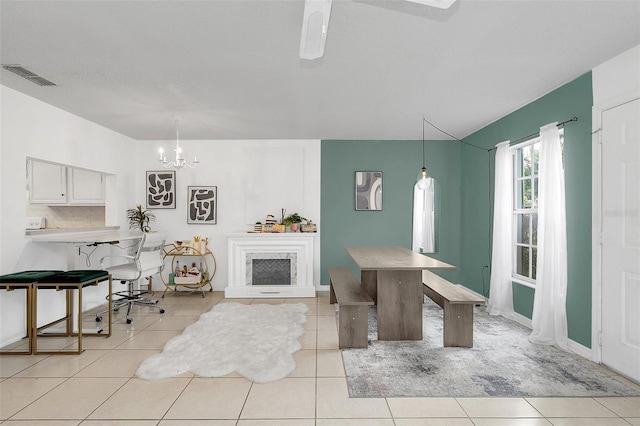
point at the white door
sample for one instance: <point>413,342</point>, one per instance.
<point>621,239</point>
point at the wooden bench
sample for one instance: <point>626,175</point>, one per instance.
<point>457,304</point>
<point>354,302</point>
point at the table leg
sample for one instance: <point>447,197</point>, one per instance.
<point>400,300</point>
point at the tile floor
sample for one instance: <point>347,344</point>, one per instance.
<point>98,387</point>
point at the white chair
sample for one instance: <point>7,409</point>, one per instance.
<point>146,262</point>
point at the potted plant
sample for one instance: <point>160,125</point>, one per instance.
<point>140,219</point>
<point>293,221</point>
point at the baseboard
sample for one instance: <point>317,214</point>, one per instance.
<point>520,319</point>
<point>580,350</point>
<point>573,346</point>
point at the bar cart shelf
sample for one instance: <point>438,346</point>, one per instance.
<point>172,253</point>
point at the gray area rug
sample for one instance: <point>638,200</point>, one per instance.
<point>501,363</point>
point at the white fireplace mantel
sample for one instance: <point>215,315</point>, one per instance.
<point>298,244</point>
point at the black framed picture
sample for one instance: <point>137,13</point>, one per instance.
<point>161,189</point>
<point>202,205</point>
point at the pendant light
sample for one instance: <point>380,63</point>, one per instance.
<point>423,177</point>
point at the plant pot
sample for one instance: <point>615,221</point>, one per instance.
<point>294,227</point>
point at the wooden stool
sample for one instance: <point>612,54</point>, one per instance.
<point>69,281</point>
<point>23,281</point>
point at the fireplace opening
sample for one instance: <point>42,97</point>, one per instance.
<point>271,271</point>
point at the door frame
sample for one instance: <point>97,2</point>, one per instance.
<point>596,218</point>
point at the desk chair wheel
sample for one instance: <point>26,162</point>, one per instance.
<point>98,318</point>
<point>129,320</point>
<point>162,311</point>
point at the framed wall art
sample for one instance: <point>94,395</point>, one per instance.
<point>368,190</point>
<point>202,205</point>
<point>161,189</point>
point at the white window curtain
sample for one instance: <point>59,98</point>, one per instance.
<point>549,318</point>
<point>501,292</point>
<point>423,218</point>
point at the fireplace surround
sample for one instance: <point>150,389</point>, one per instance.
<point>293,249</point>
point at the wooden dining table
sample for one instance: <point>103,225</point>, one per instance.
<point>392,276</point>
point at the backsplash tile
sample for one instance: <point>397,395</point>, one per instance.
<point>69,216</point>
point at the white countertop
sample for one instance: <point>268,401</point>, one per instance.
<point>104,236</point>
<point>49,231</point>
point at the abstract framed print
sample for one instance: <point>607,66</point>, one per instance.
<point>202,205</point>
<point>161,189</point>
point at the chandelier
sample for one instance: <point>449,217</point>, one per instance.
<point>179,162</point>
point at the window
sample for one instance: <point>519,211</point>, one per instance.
<point>525,209</point>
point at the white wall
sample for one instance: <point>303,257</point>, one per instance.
<point>31,128</point>
<point>617,78</point>
<point>225,164</point>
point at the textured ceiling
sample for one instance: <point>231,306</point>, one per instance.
<point>231,69</point>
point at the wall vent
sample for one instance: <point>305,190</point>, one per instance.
<point>25,73</point>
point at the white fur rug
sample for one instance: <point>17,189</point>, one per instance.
<point>256,341</point>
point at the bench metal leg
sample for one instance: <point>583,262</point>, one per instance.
<point>353,326</point>
<point>458,325</point>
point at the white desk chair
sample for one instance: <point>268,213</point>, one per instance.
<point>146,261</point>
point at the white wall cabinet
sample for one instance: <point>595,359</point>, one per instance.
<point>85,187</point>
<point>55,184</point>
<point>47,183</point>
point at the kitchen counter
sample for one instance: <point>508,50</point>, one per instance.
<point>77,237</point>
<point>59,231</point>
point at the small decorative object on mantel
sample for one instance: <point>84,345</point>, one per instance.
<point>257,227</point>
<point>309,227</point>
<point>293,221</point>
<point>270,220</point>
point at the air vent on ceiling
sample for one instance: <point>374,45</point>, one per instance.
<point>25,73</point>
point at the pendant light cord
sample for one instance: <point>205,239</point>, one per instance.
<point>423,120</point>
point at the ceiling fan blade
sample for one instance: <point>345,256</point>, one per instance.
<point>315,24</point>
<point>442,4</point>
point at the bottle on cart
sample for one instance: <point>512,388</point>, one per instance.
<point>178,271</point>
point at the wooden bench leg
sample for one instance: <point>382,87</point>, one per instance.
<point>458,325</point>
<point>353,326</point>
<point>332,294</point>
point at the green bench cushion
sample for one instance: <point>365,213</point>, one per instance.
<point>27,276</point>
<point>75,276</point>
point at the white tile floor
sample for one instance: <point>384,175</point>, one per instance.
<point>98,387</point>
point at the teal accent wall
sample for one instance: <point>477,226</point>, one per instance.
<point>465,177</point>
<point>400,163</point>
<point>572,99</point>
